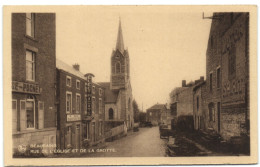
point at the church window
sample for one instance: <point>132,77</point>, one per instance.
<point>118,67</point>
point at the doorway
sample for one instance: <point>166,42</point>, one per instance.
<point>218,109</point>
<point>77,137</point>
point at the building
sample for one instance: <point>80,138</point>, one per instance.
<point>181,99</point>
<point>118,92</point>
<point>166,116</point>
<point>33,81</point>
<point>199,106</point>
<point>228,75</point>
<point>95,126</point>
<point>78,126</point>
<point>156,114</point>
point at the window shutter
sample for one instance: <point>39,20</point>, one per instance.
<point>41,115</point>
<point>14,116</point>
<point>22,115</point>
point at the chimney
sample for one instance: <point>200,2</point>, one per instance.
<point>76,66</point>
<point>183,83</point>
<point>202,78</point>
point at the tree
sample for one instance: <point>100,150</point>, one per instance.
<point>136,111</point>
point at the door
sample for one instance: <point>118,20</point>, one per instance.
<point>218,116</point>
<point>77,140</point>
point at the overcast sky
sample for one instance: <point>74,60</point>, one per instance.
<point>165,46</point>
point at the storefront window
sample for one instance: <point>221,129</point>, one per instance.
<point>30,113</point>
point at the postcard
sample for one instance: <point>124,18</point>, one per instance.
<point>130,85</point>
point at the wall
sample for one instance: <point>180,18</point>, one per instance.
<point>234,87</point>
<point>44,46</point>
<point>185,102</point>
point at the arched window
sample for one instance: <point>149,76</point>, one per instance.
<point>118,67</point>
<point>111,113</point>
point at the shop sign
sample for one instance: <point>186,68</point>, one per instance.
<point>24,87</point>
<point>234,87</point>
<point>89,94</point>
<point>74,117</point>
<point>232,38</point>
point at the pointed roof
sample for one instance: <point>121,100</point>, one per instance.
<point>120,41</point>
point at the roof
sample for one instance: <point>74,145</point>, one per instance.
<point>120,41</point>
<point>198,85</point>
<point>157,107</point>
<point>110,95</point>
<point>65,67</point>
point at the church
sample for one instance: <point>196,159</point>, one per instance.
<point>118,92</point>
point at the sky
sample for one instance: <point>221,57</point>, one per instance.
<point>166,45</point>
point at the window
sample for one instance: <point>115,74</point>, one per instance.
<point>30,20</point>
<point>78,99</point>
<point>118,67</point>
<point>93,89</point>
<point>218,77</point>
<point>100,106</point>
<point>210,82</point>
<point>68,102</point>
<point>78,84</point>
<point>100,92</point>
<point>211,112</point>
<point>14,115</point>
<point>111,113</point>
<point>68,81</point>
<point>30,114</point>
<point>93,105</point>
<point>198,103</point>
<point>30,65</point>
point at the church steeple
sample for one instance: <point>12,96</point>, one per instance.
<point>120,42</point>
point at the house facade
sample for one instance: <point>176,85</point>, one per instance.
<point>157,114</point>
<point>33,81</point>
<point>199,106</point>
<point>80,111</point>
<point>228,75</point>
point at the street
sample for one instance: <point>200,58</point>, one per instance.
<point>144,143</point>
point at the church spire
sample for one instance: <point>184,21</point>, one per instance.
<point>120,42</point>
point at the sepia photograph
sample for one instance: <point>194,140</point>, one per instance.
<point>98,82</point>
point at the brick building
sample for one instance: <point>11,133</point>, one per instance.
<point>33,80</point>
<point>228,75</point>
<point>78,125</point>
